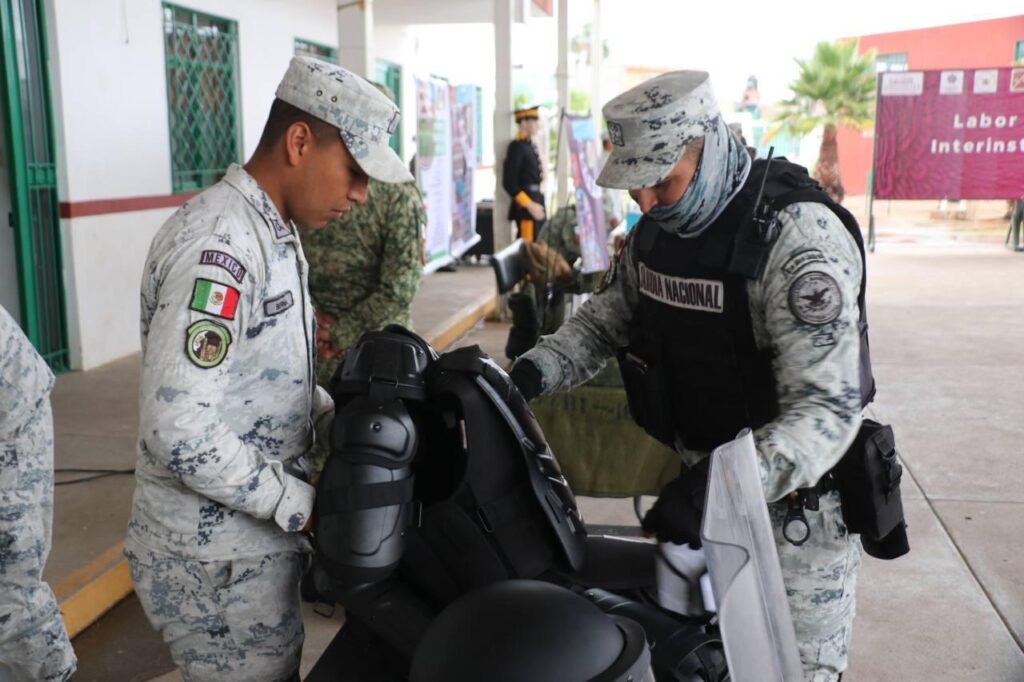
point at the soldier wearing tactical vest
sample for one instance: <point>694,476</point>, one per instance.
<point>722,322</point>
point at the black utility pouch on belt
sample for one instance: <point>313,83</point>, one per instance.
<point>868,480</point>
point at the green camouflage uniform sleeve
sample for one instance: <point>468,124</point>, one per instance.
<point>581,346</point>
<point>401,218</point>
<point>804,308</point>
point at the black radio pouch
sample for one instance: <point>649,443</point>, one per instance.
<point>868,479</point>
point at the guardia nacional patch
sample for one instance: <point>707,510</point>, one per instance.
<point>206,343</point>
<point>815,298</point>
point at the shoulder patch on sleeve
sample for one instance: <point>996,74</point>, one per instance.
<point>214,298</point>
<point>609,276</point>
<point>206,343</point>
<point>815,298</point>
<point>224,261</point>
<point>802,259</point>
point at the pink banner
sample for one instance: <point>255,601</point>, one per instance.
<point>950,134</point>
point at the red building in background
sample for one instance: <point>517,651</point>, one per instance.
<point>978,44</point>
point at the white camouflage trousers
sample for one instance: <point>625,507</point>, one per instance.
<point>820,578</point>
<point>224,621</point>
<point>33,642</point>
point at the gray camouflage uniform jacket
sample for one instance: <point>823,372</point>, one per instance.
<point>33,641</point>
<point>816,366</point>
<point>228,396</point>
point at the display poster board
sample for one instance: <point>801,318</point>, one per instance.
<point>950,134</point>
<point>465,138</point>
<point>591,227</point>
<point>434,167</point>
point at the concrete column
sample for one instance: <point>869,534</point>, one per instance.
<point>355,38</point>
<point>502,116</point>
<point>562,82</point>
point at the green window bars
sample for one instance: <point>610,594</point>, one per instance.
<point>201,54</point>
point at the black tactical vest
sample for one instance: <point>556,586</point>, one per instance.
<point>693,372</point>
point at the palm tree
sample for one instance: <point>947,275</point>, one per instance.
<point>835,88</point>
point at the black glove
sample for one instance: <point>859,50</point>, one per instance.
<point>676,514</point>
<point>527,379</point>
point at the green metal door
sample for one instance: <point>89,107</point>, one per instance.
<point>28,131</point>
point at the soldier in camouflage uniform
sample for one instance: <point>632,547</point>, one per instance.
<point>684,168</point>
<point>228,399</point>
<point>365,268</point>
<point>33,642</point>
<point>559,234</point>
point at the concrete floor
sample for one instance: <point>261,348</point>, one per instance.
<point>946,328</point>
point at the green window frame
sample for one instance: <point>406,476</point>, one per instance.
<point>307,48</point>
<point>1018,53</point>
<point>391,75</point>
<point>895,61</point>
<point>31,158</point>
<point>201,57</point>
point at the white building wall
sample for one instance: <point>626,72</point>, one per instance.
<point>108,73</point>
<point>462,53</point>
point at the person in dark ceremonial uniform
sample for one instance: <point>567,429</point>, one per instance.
<point>522,175</point>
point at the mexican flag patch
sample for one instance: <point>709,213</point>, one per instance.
<point>214,298</point>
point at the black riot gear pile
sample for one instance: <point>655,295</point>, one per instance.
<point>527,631</point>
<point>440,482</point>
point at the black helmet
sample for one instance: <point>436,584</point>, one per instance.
<point>530,631</point>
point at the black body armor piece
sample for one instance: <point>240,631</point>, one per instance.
<point>693,372</point>
<point>401,489</point>
<point>365,498</point>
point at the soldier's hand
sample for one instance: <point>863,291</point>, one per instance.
<point>527,379</point>
<point>535,210</point>
<point>676,514</point>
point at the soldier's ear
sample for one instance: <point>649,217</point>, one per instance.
<point>298,140</point>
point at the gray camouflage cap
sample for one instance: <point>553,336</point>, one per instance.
<point>365,117</point>
<point>651,124</point>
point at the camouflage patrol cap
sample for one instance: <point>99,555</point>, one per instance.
<point>651,124</point>
<point>364,116</point>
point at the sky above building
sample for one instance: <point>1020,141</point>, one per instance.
<point>734,40</point>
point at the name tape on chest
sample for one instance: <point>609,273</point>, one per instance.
<point>707,295</point>
<point>278,304</point>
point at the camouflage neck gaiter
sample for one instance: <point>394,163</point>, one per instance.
<point>722,170</point>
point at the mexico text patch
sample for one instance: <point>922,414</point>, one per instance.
<point>692,294</point>
<point>214,298</point>
<point>225,261</point>
<point>815,298</point>
<point>206,343</point>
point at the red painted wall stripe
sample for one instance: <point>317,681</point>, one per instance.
<point>81,209</point>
